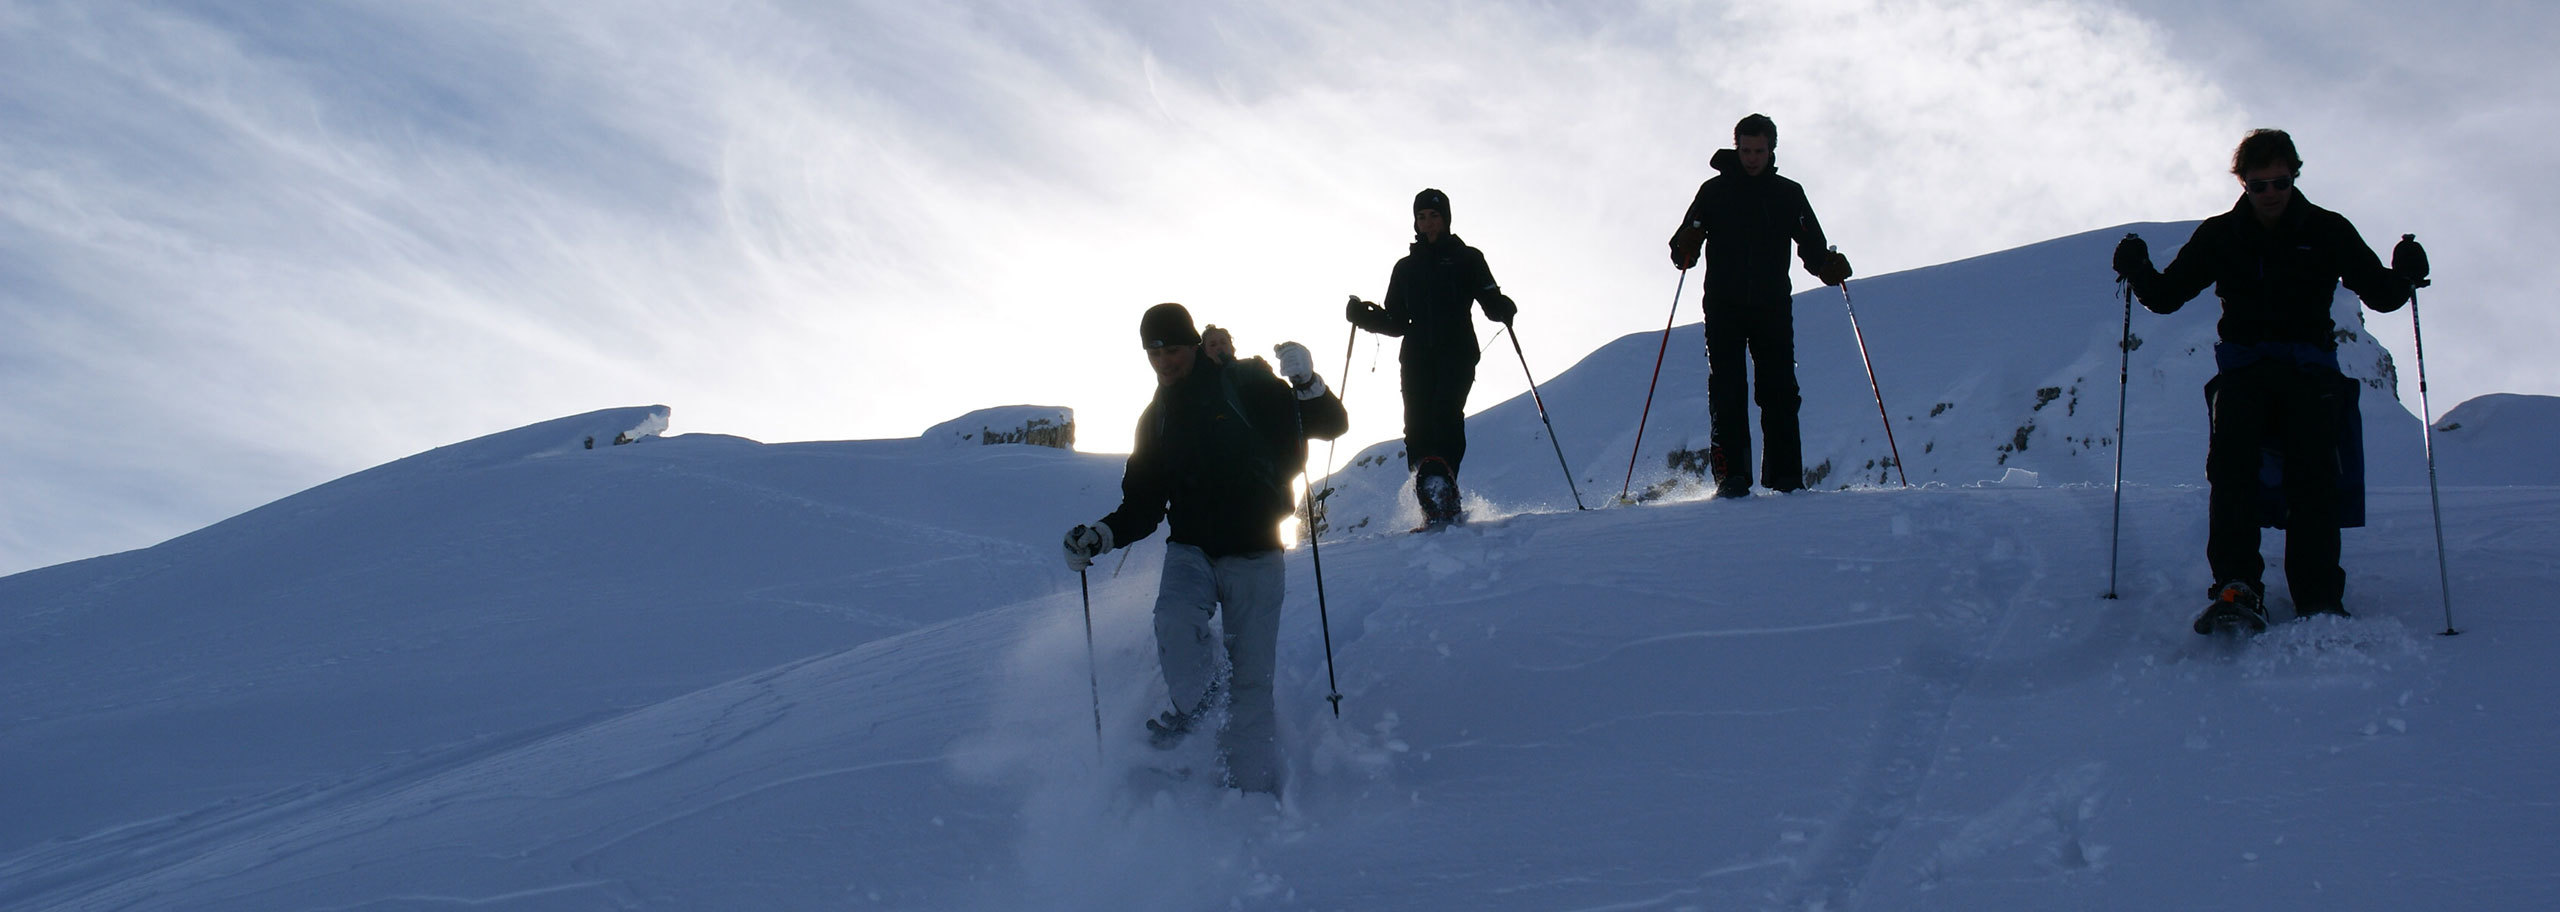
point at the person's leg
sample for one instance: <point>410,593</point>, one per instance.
<point>2239,412</point>
<point>1729,399</point>
<point>1186,599</point>
<point>1420,432</point>
<point>2307,426</point>
<point>1250,587</point>
<point>1773,368</point>
<point>1459,380</point>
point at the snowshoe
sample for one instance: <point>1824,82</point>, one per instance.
<point>2235,606</point>
<point>1166,731</point>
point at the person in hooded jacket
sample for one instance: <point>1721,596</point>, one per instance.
<point>1217,451</point>
<point>1745,217</point>
<point>2276,261</point>
<point>1431,301</point>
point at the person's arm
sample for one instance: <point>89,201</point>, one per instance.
<point>1395,314</point>
<point>1143,490</point>
<point>1319,413</point>
<point>2363,273</point>
<point>1812,247</point>
<point>1498,307</point>
<point>2189,273</point>
<point>1323,417</point>
<point>1689,240</point>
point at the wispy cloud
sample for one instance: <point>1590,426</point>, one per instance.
<point>245,250</point>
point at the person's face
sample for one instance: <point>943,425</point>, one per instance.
<point>1430,223</point>
<point>1219,345</point>
<point>1755,152</point>
<point>1172,362</point>
<point>2269,187</point>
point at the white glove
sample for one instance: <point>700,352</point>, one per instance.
<point>1300,367</point>
<point>1295,363</point>
<point>1084,543</point>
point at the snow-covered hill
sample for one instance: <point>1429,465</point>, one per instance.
<point>703,672</point>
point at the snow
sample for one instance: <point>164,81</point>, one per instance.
<point>1035,424</point>
<point>703,672</point>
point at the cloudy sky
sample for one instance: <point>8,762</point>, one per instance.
<point>246,248</point>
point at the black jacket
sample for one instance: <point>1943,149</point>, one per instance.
<point>2276,283</point>
<point>1747,222</point>
<point>1217,451</point>
<point>1431,299</point>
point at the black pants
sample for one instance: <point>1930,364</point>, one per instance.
<point>1767,333</point>
<point>1435,413</point>
<point>2294,409</point>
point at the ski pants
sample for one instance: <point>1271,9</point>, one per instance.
<point>2295,409</point>
<point>1767,333</point>
<point>1248,588</point>
<point>1435,412</point>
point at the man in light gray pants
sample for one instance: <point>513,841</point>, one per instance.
<point>1216,453</point>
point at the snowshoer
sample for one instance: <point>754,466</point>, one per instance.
<point>1216,452</point>
<point>2276,261</point>
<point>1218,344</point>
<point>1744,217</point>
<point>1431,298</point>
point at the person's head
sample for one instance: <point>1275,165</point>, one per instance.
<point>1430,214</point>
<point>1755,141</point>
<point>1218,344</point>
<point>2267,165</point>
<point>1172,345</point>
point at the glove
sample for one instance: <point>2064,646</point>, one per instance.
<point>1295,363</point>
<point>2410,261</point>
<point>1361,313</point>
<point>1084,543</point>
<point>2133,257</point>
<point>1685,244</point>
<point>1500,308</point>
<point>1300,367</point>
<point>1834,270</point>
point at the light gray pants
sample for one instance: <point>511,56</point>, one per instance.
<point>1249,588</point>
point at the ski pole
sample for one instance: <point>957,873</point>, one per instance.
<point>1871,381</point>
<point>2124,371</point>
<point>1092,677</point>
<point>1324,619</point>
<point>1676,289</point>
<point>1315,553</point>
<point>1542,416</point>
<point>2435,501</point>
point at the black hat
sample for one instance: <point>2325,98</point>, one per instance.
<point>1432,199</point>
<point>1167,324</point>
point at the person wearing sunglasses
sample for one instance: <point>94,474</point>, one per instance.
<point>2276,261</point>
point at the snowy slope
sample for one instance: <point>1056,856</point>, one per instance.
<point>703,672</point>
<point>2500,439</point>
<point>478,596</point>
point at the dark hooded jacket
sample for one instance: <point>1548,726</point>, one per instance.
<point>1747,222</point>
<point>1217,452</point>
<point>1430,301</point>
<point>2276,283</point>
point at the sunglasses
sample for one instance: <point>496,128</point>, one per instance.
<point>2270,185</point>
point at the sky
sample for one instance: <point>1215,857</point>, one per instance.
<point>248,248</point>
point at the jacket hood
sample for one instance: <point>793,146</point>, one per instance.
<point>1727,161</point>
<point>1446,240</point>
